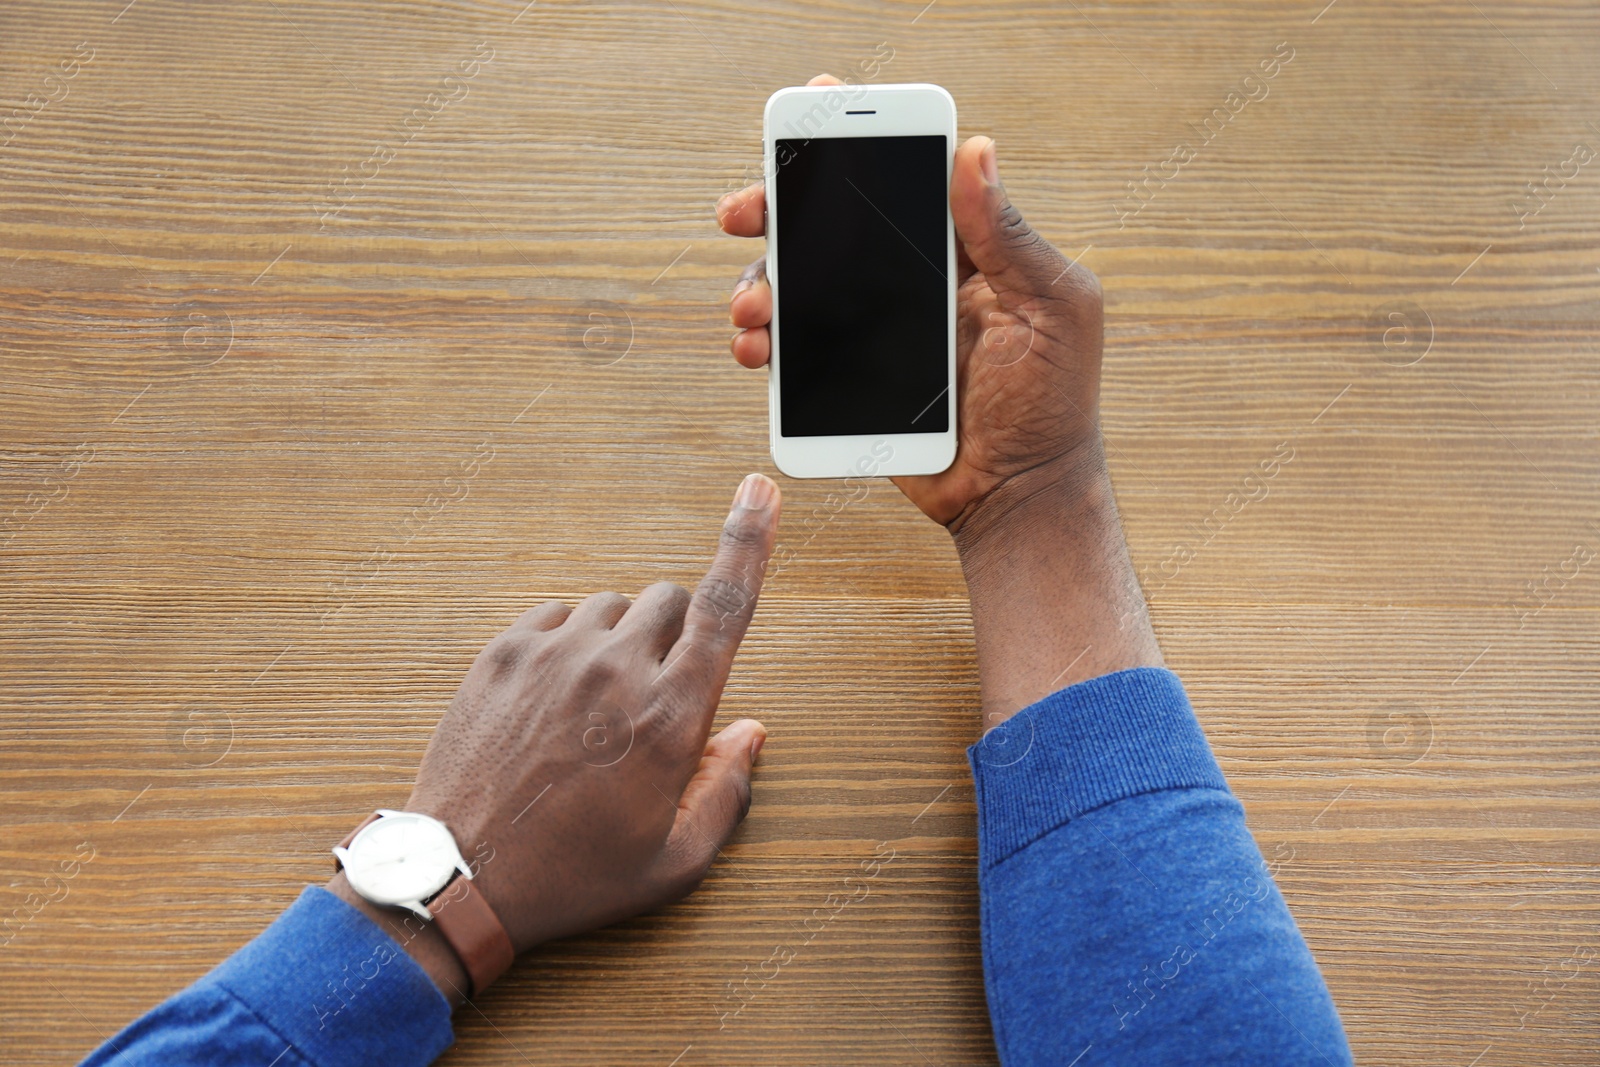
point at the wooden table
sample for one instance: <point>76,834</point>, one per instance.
<point>292,426</point>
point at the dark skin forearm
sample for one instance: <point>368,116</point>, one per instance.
<point>1054,596</point>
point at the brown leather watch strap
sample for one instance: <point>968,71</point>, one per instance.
<point>480,940</point>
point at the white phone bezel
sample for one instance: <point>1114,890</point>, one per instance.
<point>888,111</point>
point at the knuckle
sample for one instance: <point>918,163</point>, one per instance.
<point>1011,227</point>
<point>608,601</point>
<point>726,599</point>
<point>743,532</point>
<point>539,612</point>
<point>505,653</point>
<point>675,596</point>
<point>597,673</point>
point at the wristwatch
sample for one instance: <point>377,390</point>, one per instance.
<point>409,860</point>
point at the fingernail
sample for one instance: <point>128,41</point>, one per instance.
<point>721,205</point>
<point>755,491</point>
<point>986,162</point>
<point>755,746</point>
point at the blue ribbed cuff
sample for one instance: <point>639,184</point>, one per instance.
<point>1081,748</point>
<point>338,988</point>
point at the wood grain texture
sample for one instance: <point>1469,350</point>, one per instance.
<point>229,617</point>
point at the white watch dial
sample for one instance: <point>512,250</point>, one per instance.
<point>401,858</point>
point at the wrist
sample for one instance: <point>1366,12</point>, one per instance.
<point>1032,502</point>
<point>421,940</point>
<point>1054,596</point>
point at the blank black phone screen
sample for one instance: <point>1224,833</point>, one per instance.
<point>862,295</point>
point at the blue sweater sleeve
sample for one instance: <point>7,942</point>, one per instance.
<point>1128,917</point>
<point>322,986</point>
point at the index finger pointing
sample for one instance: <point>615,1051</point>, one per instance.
<point>720,610</point>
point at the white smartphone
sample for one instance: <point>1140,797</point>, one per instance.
<point>861,257</point>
